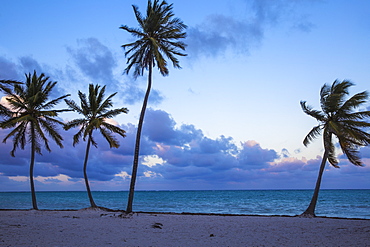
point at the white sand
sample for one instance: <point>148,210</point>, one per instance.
<point>90,228</point>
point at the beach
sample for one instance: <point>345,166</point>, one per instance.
<point>90,227</point>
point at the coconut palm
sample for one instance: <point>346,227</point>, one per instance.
<point>30,116</point>
<point>158,36</point>
<point>338,118</point>
<point>96,112</point>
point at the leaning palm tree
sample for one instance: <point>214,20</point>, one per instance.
<point>30,115</point>
<point>338,118</point>
<point>158,36</point>
<point>96,112</point>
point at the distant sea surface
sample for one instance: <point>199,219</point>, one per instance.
<point>332,203</point>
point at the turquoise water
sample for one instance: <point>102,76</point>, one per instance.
<point>332,203</point>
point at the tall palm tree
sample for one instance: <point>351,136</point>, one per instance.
<point>96,112</point>
<point>158,36</point>
<point>338,118</point>
<point>31,115</point>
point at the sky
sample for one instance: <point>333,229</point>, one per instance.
<point>230,118</point>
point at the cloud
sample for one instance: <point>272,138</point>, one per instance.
<point>253,156</point>
<point>98,64</point>
<point>94,60</point>
<point>133,93</point>
<point>220,33</point>
<point>365,152</point>
<point>30,64</point>
<point>8,69</point>
<point>160,127</point>
<point>178,157</point>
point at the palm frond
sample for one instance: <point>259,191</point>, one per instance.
<point>332,103</point>
<point>114,129</point>
<point>351,152</point>
<point>105,105</point>
<point>354,116</point>
<point>5,85</point>
<point>341,87</point>
<point>14,120</point>
<point>134,31</point>
<point>19,128</point>
<point>114,112</point>
<point>85,107</point>
<point>18,134</point>
<point>77,136</point>
<point>354,135</point>
<point>39,134</point>
<point>49,125</point>
<point>113,143</point>
<point>354,102</point>
<point>4,111</point>
<point>318,115</point>
<point>75,123</point>
<point>54,102</point>
<point>330,148</point>
<point>354,123</point>
<point>93,142</point>
<point>313,134</point>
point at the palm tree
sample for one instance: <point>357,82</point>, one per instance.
<point>338,119</point>
<point>31,115</point>
<point>96,112</point>
<point>158,35</point>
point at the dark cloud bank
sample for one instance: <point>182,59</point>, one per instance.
<point>184,158</point>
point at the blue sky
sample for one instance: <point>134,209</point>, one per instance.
<point>229,119</point>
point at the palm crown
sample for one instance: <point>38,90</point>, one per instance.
<point>30,113</point>
<point>158,33</point>
<point>338,118</point>
<point>95,111</point>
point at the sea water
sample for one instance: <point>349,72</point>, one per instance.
<point>331,203</point>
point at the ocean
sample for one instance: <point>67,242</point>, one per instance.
<point>331,203</point>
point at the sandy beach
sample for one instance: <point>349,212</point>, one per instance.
<point>101,228</point>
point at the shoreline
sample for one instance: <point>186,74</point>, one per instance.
<point>96,227</point>
<point>245,202</point>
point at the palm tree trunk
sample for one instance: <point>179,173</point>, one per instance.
<point>310,211</point>
<point>92,203</point>
<point>137,145</point>
<point>32,164</point>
